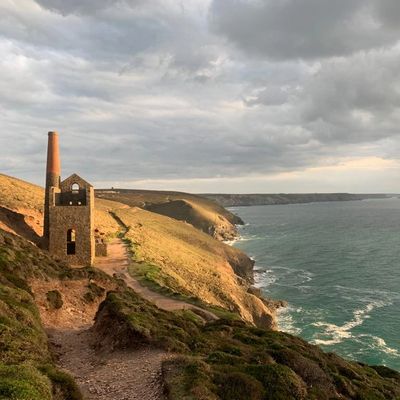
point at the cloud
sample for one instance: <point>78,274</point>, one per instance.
<point>84,7</point>
<point>305,29</point>
<point>149,92</point>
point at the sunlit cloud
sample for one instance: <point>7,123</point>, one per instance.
<point>171,95</point>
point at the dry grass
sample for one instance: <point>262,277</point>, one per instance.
<point>178,256</point>
<point>190,262</point>
<point>202,213</point>
<point>17,195</point>
<point>20,198</point>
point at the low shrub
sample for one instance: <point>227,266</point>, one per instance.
<point>54,299</point>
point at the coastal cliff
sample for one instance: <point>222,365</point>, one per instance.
<point>204,214</point>
<point>170,253</point>
<point>234,354</point>
<point>234,200</point>
<point>218,360</point>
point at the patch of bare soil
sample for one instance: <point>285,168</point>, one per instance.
<point>119,375</point>
<point>75,312</point>
<point>100,374</point>
<point>24,223</point>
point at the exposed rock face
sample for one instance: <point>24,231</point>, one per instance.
<point>242,265</point>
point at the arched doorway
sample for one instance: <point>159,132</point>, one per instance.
<point>71,242</point>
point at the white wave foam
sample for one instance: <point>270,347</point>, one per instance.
<point>379,344</point>
<point>334,334</point>
<point>231,242</point>
<point>292,276</point>
<point>286,321</point>
<point>264,277</point>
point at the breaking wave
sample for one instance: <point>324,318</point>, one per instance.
<point>334,334</point>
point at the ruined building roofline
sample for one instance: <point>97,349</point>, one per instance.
<point>75,178</point>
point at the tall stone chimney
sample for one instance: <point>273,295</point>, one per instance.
<point>53,173</point>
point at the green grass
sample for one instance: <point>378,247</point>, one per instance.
<point>24,382</point>
<point>152,276</point>
<point>94,291</point>
<point>27,371</point>
<point>224,359</point>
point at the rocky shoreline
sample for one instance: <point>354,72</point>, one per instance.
<point>272,304</point>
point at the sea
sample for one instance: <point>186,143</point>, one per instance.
<point>337,264</point>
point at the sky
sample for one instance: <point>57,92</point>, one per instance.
<point>232,96</point>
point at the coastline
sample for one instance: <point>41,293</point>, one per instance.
<point>276,306</point>
<point>336,298</point>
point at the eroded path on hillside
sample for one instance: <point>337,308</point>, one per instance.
<point>101,374</point>
<point>117,263</point>
<point>108,375</point>
<point>118,375</point>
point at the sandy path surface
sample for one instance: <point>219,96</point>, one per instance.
<point>127,375</point>
<point>117,262</point>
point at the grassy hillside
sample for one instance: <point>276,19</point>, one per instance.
<point>27,371</point>
<point>17,194</point>
<point>202,213</point>
<point>220,360</point>
<point>21,207</point>
<point>226,360</point>
<point>174,255</point>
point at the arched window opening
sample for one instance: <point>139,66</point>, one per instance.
<point>71,242</point>
<point>75,188</point>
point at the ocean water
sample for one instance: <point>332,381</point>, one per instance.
<point>338,266</point>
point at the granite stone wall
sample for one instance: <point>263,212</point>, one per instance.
<point>73,216</point>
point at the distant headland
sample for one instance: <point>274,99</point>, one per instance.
<point>261,199</point>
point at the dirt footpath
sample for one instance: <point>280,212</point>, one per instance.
<point>117,262</point>
<point>127,375</point>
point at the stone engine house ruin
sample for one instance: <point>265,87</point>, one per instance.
<point>68,214</point>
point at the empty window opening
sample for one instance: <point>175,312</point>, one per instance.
<point>71,242</point>
<point>75,188</point>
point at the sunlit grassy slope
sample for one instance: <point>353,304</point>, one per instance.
<point>17,194</point>
<point>222,360</point>
<point>202,213</point>
<point>176,255</point>
<point>173,254</point>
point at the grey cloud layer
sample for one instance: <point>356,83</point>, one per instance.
<point>292,29</point>
<point>194,89</point>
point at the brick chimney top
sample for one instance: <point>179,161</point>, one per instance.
<point>53,155</point>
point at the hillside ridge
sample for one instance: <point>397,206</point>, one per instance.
<point>261,199</point>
